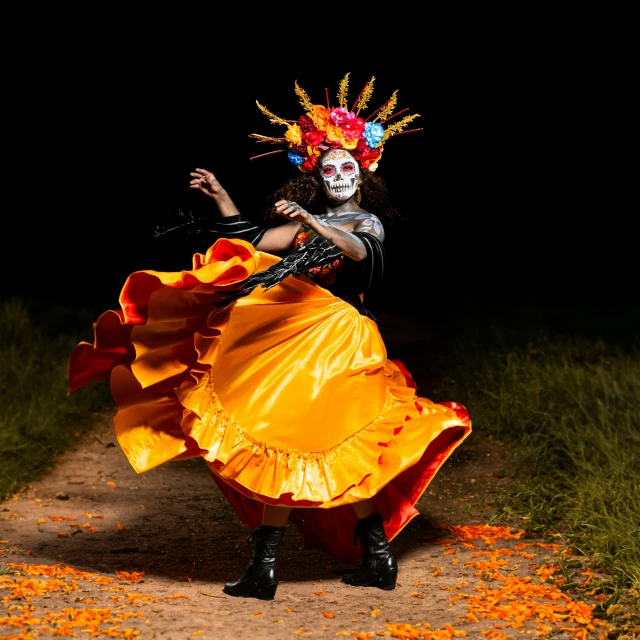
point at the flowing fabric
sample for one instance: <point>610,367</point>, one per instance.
<point>287,393</point>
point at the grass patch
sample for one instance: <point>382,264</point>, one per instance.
<point>569,399</point>
<point>38,420</point>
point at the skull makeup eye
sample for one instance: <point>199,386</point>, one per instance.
<point>347,168</point>
<point>328,171</point>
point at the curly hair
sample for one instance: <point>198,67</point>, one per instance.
<point>308,191</point>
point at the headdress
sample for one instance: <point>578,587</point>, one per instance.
<point>325,127</point>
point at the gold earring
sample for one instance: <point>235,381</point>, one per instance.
<point>358,195</point>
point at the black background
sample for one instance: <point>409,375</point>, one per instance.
<point>506,193</point>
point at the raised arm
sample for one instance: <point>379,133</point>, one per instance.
<point>206,182</point>
<point>351,245</point>
<point>276,240</point>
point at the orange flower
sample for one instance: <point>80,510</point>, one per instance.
<point>132,577</point>
<point>320,117</point>
<point>326,614</point>
<point>111,484</point>
<point>335,134</point>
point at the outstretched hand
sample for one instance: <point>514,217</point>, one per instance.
<point>292,211</point>
<point>206,182</point>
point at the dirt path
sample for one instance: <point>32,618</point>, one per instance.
<point>157,548</point>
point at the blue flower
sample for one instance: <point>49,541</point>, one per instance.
<point>294,158</point>
<point>373,134</point>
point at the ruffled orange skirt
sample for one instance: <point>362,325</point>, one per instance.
<point>287,394</point>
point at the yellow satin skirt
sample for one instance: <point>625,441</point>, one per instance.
<point>287,394</point>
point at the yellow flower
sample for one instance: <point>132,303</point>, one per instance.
<point>320,117</point>
<point>293,134</point>
<point>334,134</point>
<point>350,144</point>
<point>313,151</point>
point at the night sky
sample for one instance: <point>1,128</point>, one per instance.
<point>500,193</point>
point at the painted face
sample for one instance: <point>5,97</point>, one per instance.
<point>340,174</point>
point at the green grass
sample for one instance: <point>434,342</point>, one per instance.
<point>566,394</point>
<point>38,420</point>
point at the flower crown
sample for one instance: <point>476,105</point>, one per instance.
<point>323,128</point>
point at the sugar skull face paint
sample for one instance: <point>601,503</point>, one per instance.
<point>340,174</point>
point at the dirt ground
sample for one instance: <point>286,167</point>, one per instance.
<point>177,540</point>
<point>92,550</point>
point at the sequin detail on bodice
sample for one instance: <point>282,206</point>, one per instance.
<point>326,274</point>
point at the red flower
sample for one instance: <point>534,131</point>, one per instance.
<point>309,163</point>
<point>314,137</point>
<point>353,128</point>
<point>360,149</point>
<point>368,159</point>
<point>306,124</point>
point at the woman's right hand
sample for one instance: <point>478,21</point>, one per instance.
<point>207,183</point>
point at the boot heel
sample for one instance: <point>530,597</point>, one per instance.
<point>267,592</point>
<point>388,580</point>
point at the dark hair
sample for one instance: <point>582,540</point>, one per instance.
<point>308,191</point>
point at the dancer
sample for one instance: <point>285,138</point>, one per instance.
<point>264,360</point>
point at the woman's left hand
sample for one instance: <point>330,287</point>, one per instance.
<point>292,211</point>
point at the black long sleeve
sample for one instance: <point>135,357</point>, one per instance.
<point>205,231</point>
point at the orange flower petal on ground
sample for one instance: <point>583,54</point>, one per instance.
<point>133,576</point>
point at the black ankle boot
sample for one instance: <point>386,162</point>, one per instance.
<point>379,567</point>
<point>260,578</point>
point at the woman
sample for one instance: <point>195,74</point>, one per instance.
<point>272,369</point>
